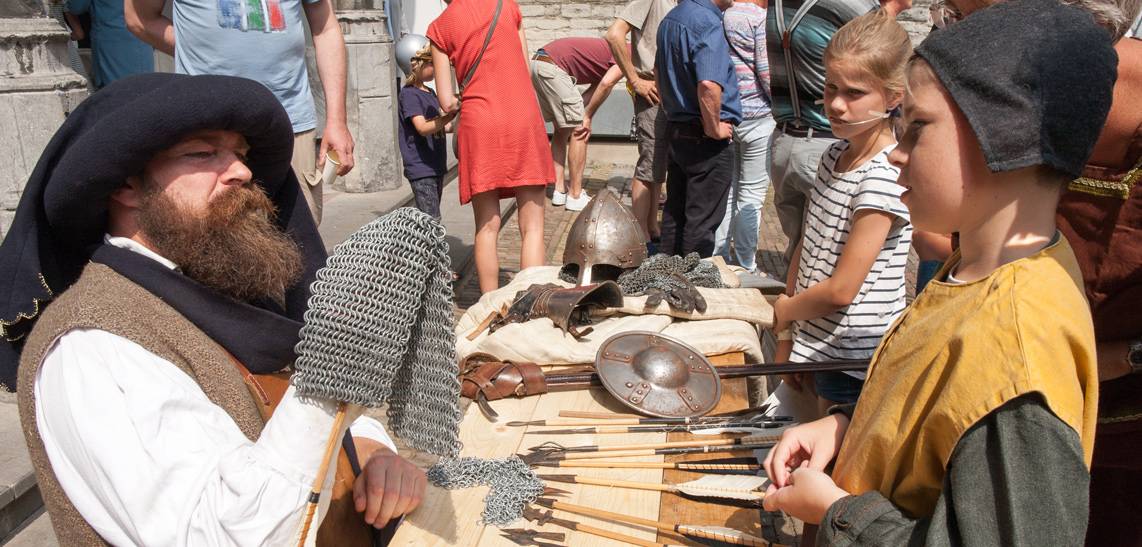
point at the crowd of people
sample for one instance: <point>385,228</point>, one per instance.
<point>172,223</point>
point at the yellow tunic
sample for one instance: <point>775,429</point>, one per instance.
<point>960,352</point>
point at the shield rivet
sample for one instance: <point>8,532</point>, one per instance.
<point>630,384</point>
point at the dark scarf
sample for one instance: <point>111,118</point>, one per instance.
<point>260,335</point>
<point>62,215</point>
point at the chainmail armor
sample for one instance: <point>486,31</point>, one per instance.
<point>379,329</point>
<point>513,484</point>
<point>656,272</point>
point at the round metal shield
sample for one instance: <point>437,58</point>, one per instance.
<point>657,375</point>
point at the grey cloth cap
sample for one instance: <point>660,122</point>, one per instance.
<point>1034,79</point>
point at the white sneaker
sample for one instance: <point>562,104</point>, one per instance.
<point>577,204</point>
<point>558,198</point>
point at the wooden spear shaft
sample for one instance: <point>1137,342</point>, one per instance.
<point>741,467</point>
<point>686,529</point>
<point>752,439</point>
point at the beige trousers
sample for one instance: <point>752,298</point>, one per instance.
<point>305,167</point>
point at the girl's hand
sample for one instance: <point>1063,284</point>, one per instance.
<point>812,445</point>
<point>780,311</point>
<point>808,495</point>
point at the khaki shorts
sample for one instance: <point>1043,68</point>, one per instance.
<point>305,167</point>
<point>650,121</point>
<point>559,97</point>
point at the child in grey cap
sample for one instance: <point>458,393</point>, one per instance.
<point>976,423</point>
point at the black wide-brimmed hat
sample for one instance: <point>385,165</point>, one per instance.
<point>1034,78</point>
<point>62,215</point>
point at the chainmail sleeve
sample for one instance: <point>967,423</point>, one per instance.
<point>379,329</point>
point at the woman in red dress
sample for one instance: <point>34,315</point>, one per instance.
<point>501,140</point>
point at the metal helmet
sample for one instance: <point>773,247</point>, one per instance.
<point>605,239</point>
<point>406,49</point>
<point>657,375</point>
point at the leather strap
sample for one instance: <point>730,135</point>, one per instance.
<point>499,379</point>
<point>483,48</point>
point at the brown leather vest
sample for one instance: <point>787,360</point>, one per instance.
<point>103,299</point>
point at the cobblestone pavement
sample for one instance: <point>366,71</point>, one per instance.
<point>616,175</point>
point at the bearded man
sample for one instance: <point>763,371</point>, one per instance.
<point>152,289</point>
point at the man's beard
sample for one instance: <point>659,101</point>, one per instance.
<point>233,247</point>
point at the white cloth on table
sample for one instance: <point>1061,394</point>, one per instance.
<point>720,330</point>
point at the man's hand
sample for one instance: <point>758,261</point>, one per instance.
<point>583,131</point>
<point>722,131</point>
<point>812,445</point>
<point>337,137</point>
<point>648,89</point>
<point>808,495</point>
<point>388,486</point>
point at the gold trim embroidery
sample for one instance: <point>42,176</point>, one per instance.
<point>1104,188</point>
<point>21,316</point>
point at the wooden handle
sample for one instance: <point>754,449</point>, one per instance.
<point>616,536</point>
<point>588,422</point>
<point>595,415</point>
<point>662,465</point>
<point>607,515</point>
<point>626,484</point>
<point>615,454</point>
<point>315,490</point>
<point>617,465</point>
<point>672,444</point>
<point>741,538</point>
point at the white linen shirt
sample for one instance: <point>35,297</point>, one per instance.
<point>147,459</point>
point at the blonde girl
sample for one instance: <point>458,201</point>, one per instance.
<point>846,279</point>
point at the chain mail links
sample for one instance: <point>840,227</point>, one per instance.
<point>379,329</point>
<point>513,484</point>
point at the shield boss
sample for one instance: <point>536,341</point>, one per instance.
<point>657,375</point>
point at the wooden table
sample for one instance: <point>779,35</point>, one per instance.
<point>452,517</point>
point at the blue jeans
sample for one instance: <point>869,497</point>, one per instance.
<point>837,387</point>
<point>751,181</point>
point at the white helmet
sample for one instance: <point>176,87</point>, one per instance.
<point>406,49</point>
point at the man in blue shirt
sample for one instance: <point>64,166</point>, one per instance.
<point>699,92</point>
<point>115,52</point>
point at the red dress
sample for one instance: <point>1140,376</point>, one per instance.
<point>501,136</point>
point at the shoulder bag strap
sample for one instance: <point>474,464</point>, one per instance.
<point>487,39</point>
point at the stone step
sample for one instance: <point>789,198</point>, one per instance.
<point>19,496</point>
<point>34,532</point>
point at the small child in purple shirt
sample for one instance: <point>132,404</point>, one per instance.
<point>421,135</point>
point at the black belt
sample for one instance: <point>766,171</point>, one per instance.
<point>809,132</point>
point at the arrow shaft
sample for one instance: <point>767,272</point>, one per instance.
<point>660,451</point>
<point>690,530</point>
<point>659,465</point>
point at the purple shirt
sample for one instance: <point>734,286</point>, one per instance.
<point>423,156</point>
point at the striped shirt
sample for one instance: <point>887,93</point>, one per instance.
<point>854,331</point>
<point>745,31</point>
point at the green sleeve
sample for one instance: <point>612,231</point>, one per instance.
<point>1015,478</point>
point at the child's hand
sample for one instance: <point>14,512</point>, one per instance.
<point>780,323</point>
<point>808,495</point>
<point>812,445</point>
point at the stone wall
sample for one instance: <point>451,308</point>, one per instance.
<point>547,20</point>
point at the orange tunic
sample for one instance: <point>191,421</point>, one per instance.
<point>501,138</point>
